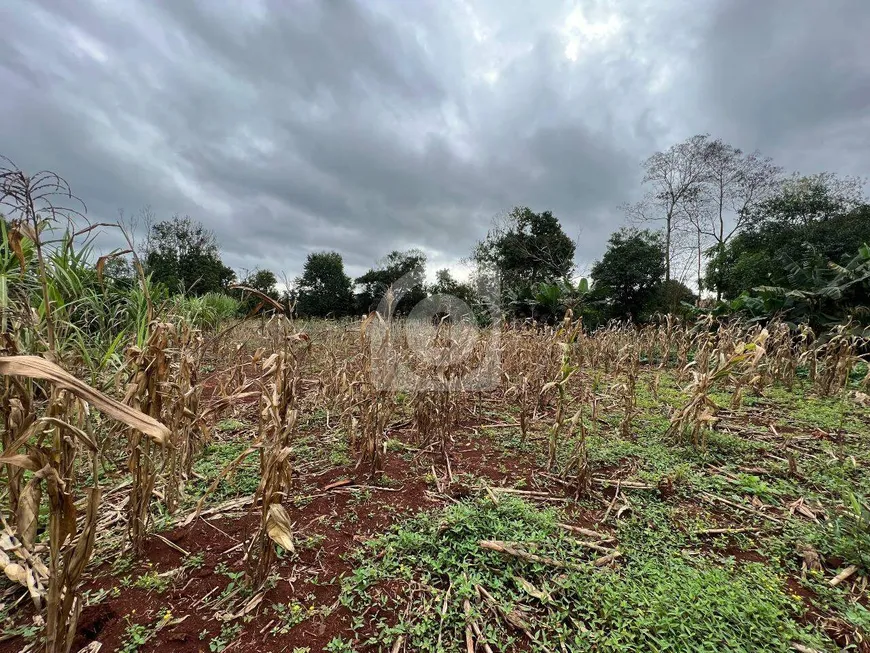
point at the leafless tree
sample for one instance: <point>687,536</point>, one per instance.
<point>696,210</point>
<point>735,184</point>
<point>673,177</point>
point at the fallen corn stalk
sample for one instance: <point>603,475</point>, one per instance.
<point>843,575</point>
<point>36,367</point>
<point>23,567</point>
<point>508,548</point>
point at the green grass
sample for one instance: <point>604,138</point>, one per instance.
<point>229,632</point>
<point>290,615</point>
<point>657,599</point>
<point>216,456</point>
<point>829,413</point>
<point>673,589</point>
<point>135,635</point>
<point>150,581</point>
<point>230,425</point>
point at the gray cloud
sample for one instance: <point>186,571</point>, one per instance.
<point>792,79</point>
<point>368,126</point>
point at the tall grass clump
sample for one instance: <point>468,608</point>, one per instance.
<point>206,312</point>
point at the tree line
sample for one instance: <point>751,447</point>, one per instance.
<point>730,224</point>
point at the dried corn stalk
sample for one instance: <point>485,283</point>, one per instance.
<point>146,393</point>
<point>375,397</point>
<point>699,412</point>
<point>49,448</point>
<point>16,406</point>
<point>566,338</point>
<point>280,390</point>
<point>182,413</point>
<point>834,360</point>
<point>752,375</point>
<point>578,462</point>
<point>628,365</point>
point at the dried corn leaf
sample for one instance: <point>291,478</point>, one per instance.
<point>85,545</point>
<point>707,417</point>
<point>531,590</point>
<point>81,435</point>
<point>35,367</point>
<point>20,460</point>
<point>101,262</point>
<point>35,586</point>
<point>265,299</point>
<point>28,571</point>
<point>61,504</point>
<point>27,517</point>
<point>9,542</point>
<point>13,237</point>
<point>801,508</point>
<point>812,561</point>
<point>16,573</point>
<point>249,607</point>
<point>279,528</point>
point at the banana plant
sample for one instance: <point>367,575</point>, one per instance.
<point>553,299</point>
<point>822,295</point>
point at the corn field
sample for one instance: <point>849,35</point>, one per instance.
<point>111,399</point>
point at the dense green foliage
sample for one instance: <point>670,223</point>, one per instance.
<point>820,294</point>
<point>207,311</point>
<point>94,314</point>
<point>324,290</point>
<point>661,601</point>
<point>528,248</point>
<point>407,270</point>
<point>183,255</point>
<point>802,255</point>
<point>524,251</point>
<point>445,284</point>
<point>764,253</point>
<point>629,275</point>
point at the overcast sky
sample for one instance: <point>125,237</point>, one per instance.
<point>295,126</point>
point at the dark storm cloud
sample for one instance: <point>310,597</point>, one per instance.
<point>288,127</point>
<point>792,79</point>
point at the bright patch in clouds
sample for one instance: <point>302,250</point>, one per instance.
<point>88,46</point>
<point>582,32</point>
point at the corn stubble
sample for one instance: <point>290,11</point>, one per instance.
<point>558,378</point>
<point>280,389</point>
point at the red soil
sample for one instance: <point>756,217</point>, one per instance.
<point>337,519</point>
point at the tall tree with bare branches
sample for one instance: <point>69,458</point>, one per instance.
<point>672,176</point>
<point>735,185</point>
<point>696,210</point>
